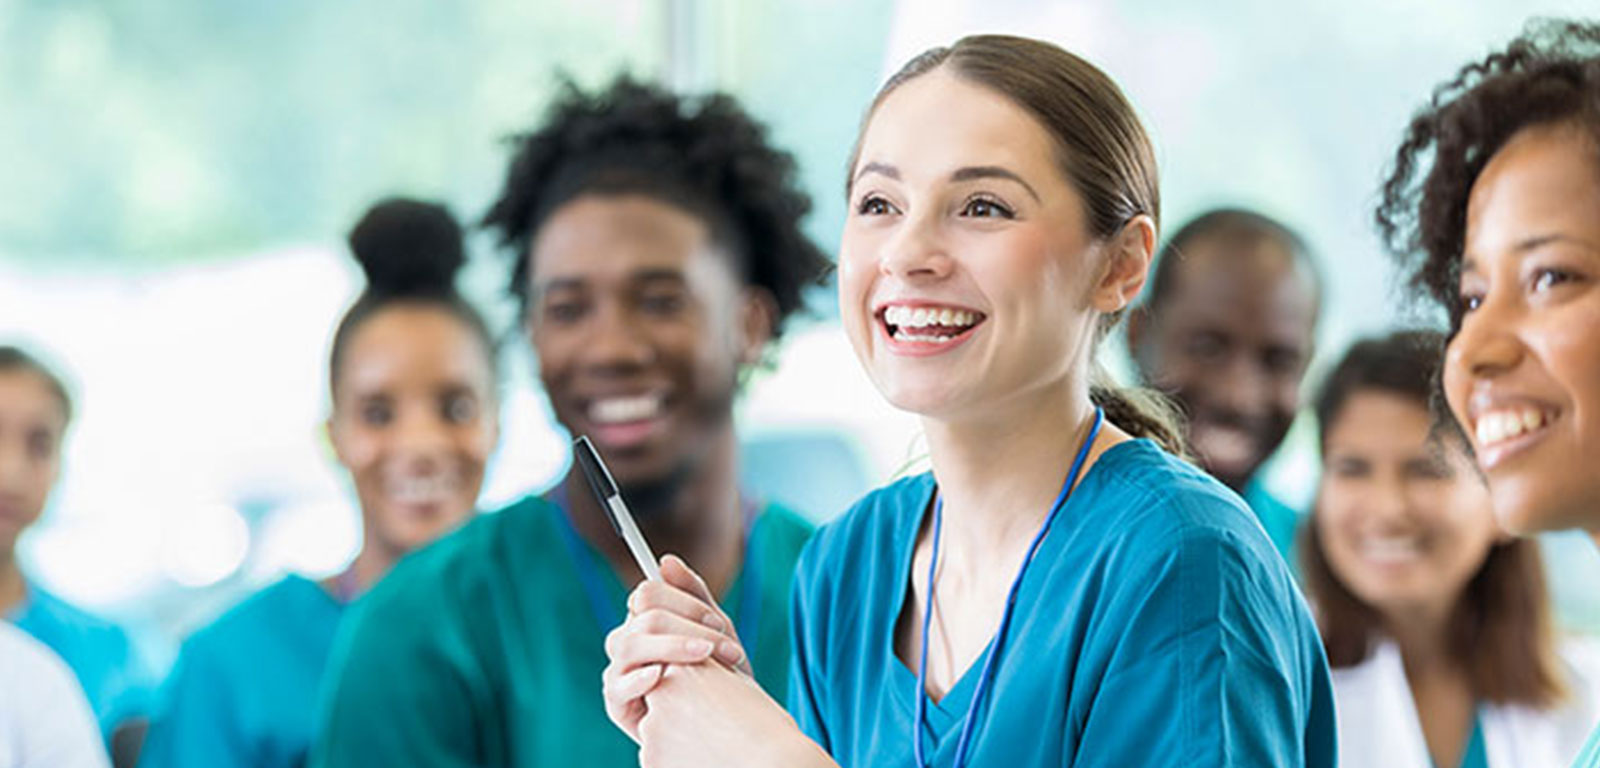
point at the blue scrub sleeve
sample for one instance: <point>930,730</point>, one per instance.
<point>195,724</point>
<point>804,673</point>
<point>1194,675</point>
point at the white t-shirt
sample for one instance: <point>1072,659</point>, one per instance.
<point>45,721</point>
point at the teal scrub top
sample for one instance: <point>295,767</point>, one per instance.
<point>1477,755</point>
<point>116,681</point>
<point>1155,627</point>
<point>486,648</point>
<point>244,690</point>
<point>1590,757</point>
<point>1279,519</point>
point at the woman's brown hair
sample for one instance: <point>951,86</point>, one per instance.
<point>1501,630</point>
<point>1103,150</point>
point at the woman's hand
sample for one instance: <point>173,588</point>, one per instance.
<point>707,714</point>
<point>673,621</point>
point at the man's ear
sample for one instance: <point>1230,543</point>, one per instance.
<point>1128,257</point>
<point>757,320</point>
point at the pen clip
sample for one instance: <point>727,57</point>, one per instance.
<point>594,470</point>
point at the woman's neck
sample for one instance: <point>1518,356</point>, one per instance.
<point>13,588</point>
<point>1423,634</point>
<point>998,475</point>
<point>370,565</point>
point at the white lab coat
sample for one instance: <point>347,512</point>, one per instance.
<point>44,720</point>
<point>1378,724</point>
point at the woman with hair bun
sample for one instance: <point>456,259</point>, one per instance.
<point>412,377</point>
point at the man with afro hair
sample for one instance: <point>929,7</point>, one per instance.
<point>656,253</point>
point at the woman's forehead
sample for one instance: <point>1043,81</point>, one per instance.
<point>938,123</point>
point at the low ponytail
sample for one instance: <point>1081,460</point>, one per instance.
<point>1140,411</point>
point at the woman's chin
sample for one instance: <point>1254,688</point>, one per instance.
<point>1524,511</point>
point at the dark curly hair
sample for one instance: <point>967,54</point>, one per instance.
<point>1550,74</point>
<point>705,155</point>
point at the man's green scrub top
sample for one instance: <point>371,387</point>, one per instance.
<point>486,648</point>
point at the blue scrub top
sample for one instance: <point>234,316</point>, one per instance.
<point>1590,757</point>
<point>1477,754</point>
<point>1156,627</point>
<point>117,683</point>
<point>244,690</point>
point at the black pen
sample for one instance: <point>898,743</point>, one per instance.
<point>605,489</point>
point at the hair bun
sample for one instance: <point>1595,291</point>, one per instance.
<point>408,247</point>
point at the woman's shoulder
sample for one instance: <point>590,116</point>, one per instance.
<point>67,628</point>
<point>881,515</point>
<point>1141,491</point>
<point>862,538</point>
<point>285,604</point>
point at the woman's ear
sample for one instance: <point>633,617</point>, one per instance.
<point>1128,256</point>
<point>758,318</point>
<point>330,433</point>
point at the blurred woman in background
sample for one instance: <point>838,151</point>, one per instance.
<point>1437,624</point>
<point>1491,207</point>
<point>35,410</point>
<point>414,419</point>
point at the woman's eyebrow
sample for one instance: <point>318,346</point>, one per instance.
<point>974,172</point>
<point>882,169</point>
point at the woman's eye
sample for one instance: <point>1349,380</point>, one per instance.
<point>41,445</point>
<point>985,208</point>
<point>1470,301</point>
<point>873,205</point>
<point>376,414</point>
<point>460,409</point>
<point>1545,279</point>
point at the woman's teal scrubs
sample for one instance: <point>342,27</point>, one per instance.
<point>245,688</point>
<point>1591,752</point>
<point>1156,626</point>
<point>115,679</point>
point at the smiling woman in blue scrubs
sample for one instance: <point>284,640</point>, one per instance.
<point>1061,589</point>
<point>413,420</point>
<point>1491,209</point>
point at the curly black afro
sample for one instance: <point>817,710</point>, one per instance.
<point>1549,74</point>
<point>705,155</point>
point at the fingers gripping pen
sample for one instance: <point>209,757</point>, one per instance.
<point>605,489</point>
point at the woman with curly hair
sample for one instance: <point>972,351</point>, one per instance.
<point>1493,208</point>
<point>656,252</point>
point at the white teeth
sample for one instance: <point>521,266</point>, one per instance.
<point>421,490</point>
<point>1498,426</point>
<point>617,410</point>
<point>921,317</point>
<point>1391,550</point>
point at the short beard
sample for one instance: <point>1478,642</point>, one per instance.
<point>652,501</point>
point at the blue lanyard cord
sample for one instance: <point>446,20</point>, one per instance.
<point>606,612</point>
<point>992,656</point>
